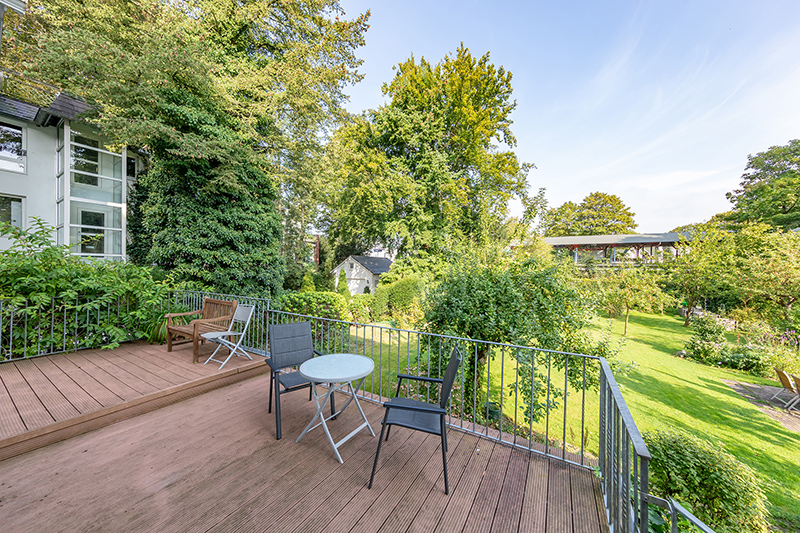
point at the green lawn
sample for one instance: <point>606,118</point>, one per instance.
<point>666,392</point>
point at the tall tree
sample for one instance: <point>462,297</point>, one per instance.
<point>427,167</point>
<point>770,188</point>
<point>598,214</point>
<point>221,93</point>
<point>702,266</point>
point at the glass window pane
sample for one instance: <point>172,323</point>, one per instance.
<point>95,188</point>
<point>11,210</point>
<point>10,141</point>
<point>112,216</point>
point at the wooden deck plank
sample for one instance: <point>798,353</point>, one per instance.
<point>482,511</point>
<point>81,400</point>
<point>54,401</point>
<point>455,514</point>
<point>559,499</point>
<point>390,465</point>
<point>145,370</point>
<point>88,383</point>
<point>105,374</point>
<point>405,481</point>
<point>431,478</point>
<point>124,372</point>
<point>585,516</point>
<point>177,365</point>
<point>31,410</point>
<point>437,501</point>
<point>512,494</point>
<point>533,516</point>
<point>10,421</point>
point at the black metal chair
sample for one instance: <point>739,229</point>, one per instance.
<point>290,346</point>
<point>419,415</point>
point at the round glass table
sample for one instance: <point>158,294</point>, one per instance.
<point>338,371</point>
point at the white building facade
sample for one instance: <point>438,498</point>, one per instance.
<point>57,169</point>
<point>362,272</point>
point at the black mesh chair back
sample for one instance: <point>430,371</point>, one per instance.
<point>450,376</point>
<point>290,344</point>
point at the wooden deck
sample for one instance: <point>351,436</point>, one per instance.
<point>211,463</point>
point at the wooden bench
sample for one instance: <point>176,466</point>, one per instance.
<point>216,315</point>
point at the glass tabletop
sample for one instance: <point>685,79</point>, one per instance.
<point>337,368</point>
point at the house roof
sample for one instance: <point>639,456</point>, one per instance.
<point>63,107</point>
<point>616,240</point>
<point>376,265</point>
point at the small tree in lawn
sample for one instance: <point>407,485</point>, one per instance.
<point>638,288</point>
<point>341,285</point>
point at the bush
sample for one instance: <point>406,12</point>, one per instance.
<point>399,298</point>
<point>722,491</point>
<point>308,283</point>
<point>341,286</point>
<point>321,304</point>
<point>750,358</point>
<point>361,308</point>
<point>708,341</point>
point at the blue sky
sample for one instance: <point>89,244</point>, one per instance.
<point>658,102</point>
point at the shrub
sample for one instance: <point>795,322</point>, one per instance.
<point>750,358</point>
<point>708,341</point>
<point>322,304</point>
<point>722,491</point>
<point>398,298</point>
<point>361,308</point>
<point>308,283</point>
<point>341,286</point>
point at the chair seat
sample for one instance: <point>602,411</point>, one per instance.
<point>210,336</point>
<point>427,422</point>
<point>291,380</point>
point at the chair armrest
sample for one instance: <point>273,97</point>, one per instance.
<point>418,408</point>
<point>318,353</point>
<point>419,378</point>
<point>225,320</point>
<point>170,315</point>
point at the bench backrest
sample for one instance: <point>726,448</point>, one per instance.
<point>213,308</point>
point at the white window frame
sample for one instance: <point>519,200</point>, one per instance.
<point>21,208</point>
<point>23,159</point>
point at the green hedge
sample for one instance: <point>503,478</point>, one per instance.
<point>398,297</point>
<point>719,489</point>
<point>322,304</point>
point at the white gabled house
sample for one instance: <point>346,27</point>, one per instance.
<point>56,168</point>
<point>363,272</point>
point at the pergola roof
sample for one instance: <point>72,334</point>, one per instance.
<point>643,239</point>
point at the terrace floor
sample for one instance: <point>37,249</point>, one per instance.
<point>211,463</point>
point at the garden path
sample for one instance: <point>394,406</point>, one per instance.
<point>759,395</point>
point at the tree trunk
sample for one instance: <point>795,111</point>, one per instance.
<point>690,306</point>
<point>627,314</point>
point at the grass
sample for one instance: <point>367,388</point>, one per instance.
<point>665,392</point>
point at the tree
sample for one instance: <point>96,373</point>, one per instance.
<point>221,93</point>
<point>341,285</point>
<point>426,169</point>
<point>632,287</point>
<point>598,214</point>
<point>702,265</point>
<point>771,270</point>
<point>770,188</point>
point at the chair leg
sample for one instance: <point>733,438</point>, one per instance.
<point>169,341</point>
<point>387,431</point>
<point>271,381</point>
<point>444,456</point>
<point>378,451</point>
<point>278,408</point>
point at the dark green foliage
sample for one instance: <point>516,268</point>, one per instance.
<point>320,304</point>
<point>399,297</point>
<point>88,303</point>
<point>749,358</point>
<point>380,304</point>
<point>721,491</point>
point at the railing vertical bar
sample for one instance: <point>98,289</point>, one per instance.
<point>583,410</point>
<point>547,406</point>
<point>566,393</point>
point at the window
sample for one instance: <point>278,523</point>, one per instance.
<point>351,266</point>
<point>92,239</point>
<point>12,152</point>
<point>85,160</point>
<point>11,210</point>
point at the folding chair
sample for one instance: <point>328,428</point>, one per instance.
<point>786,382</point>
<point>237,329</point>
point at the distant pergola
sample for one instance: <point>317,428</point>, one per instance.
<point>650,243</point>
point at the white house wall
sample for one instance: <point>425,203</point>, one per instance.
<point>36,185</point>
<point>358,277</point>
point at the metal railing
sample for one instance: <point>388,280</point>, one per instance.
<point>530,398</point>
